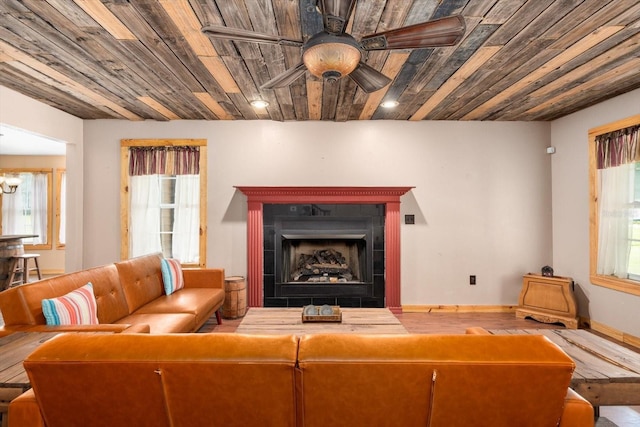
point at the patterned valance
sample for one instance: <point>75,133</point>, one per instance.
<point>618,147</point>
<point>164,160</point>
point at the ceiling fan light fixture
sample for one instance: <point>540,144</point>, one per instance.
<point>330,56</point>
<point>333,53</point>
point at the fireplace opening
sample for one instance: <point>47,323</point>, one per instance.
<point>324,258</point>
<point>324,254</point>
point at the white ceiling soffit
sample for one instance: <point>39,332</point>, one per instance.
<point>19,142</point>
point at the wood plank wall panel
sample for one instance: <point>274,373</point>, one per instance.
<point>147,59</point>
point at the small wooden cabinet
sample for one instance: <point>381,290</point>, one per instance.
<point>548,300</point>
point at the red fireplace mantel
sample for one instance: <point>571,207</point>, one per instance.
<point>258,196</point>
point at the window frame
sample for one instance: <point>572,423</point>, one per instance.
<point>49,173</point>
<point>623,285</point>
<point>124,190</point>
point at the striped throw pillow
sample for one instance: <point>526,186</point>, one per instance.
<point>171,275</point>
<point>78,307</point>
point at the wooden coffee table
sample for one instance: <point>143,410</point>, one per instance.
<point>606,373</point>
<point>289,321</point>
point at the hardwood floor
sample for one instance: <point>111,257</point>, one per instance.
<point>457,323</point>
<point>430,323</point>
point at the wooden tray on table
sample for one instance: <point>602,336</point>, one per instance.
<point>324,313</point>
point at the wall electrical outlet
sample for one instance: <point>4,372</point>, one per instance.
<point>472,279</point>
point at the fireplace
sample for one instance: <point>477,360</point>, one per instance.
<point>326,259</point>
<point>261,201</point>
<point>322,258</point>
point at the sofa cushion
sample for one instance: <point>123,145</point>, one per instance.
<point>162,323</point>
<point>172,277</point>
<point>201,302</point>
<point>439,380</point>
<point>141,280</point>
<point>22,411</point>
<point>78,307</point>
<point>171,380</point>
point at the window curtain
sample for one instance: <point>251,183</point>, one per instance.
<point>12,219</point>
<point>25,211</point>
<point>144,227</point>
<point>616,154</point>
<point>186,227</point>
<point>62,232</point>
<point>164,161</point>
<point>146,164</point>
<point>39,208</point>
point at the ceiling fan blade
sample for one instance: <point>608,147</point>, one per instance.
<point>285,78</point>
<point>237,34</point>
<point>439,32</point>
<point>368,78</point>
<point>335,14</point>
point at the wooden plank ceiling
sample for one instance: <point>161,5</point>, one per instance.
<point>147,59</point>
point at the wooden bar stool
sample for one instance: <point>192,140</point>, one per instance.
<point>20,269</point>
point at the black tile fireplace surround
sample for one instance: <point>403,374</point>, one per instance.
<point>353,231</point>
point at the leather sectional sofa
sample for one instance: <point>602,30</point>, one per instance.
<point>313,381</point>
<point>130,297</point>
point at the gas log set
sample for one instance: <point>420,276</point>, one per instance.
<point>325,265</point>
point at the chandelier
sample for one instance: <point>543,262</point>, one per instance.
<point>9,184</point>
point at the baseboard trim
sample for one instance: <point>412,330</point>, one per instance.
<point>459,308</point>
<point>51,272</point>
<point>610,332</point>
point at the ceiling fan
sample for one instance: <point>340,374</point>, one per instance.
<point>333,53</point>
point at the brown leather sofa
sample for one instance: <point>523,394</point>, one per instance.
<point>314,380</point>
<point>130,297</point>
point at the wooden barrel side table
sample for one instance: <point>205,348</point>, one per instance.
<point>10,247</point>
<point>235,297</point>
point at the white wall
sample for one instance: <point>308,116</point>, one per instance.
<point>570,176</point>
<point>25,113</point>
<point>482,199</point>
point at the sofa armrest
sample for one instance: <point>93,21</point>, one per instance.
<point>138,328</point>
<point>203,278</point>
<point>4,332</point>
<point>24,411</point>
<point>102,327</point>
<point>577,412</point>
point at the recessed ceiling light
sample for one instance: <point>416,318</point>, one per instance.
<point>389,104</point>
<point>259,103</point>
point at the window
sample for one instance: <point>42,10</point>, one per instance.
<point>163,199</point>
<point>614,151</point>
<point>28,210</point>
